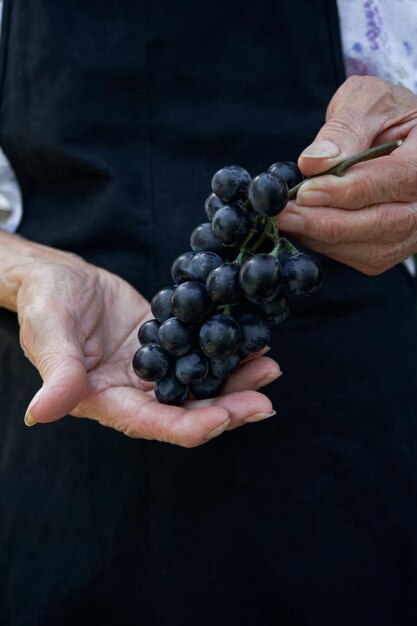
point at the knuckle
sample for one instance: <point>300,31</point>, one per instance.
<point>331,230</point>
<point>358,195</point>
<point>399,224</point>
<point>406,224</point>
<point>346,124</point>
<point>377,87</point>
<point>402,185</point>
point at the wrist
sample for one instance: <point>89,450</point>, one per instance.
<point>18,257</point>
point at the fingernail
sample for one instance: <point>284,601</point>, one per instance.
<point>321,150</point>
<point>291,222</point>
<point>218,431</point>
<point>269,379</point>
<point>265,350</point>
<point>257,417</point>
<point>28,419</point>
<point>313,197</point>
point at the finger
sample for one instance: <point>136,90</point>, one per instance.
<point>389,223</point>
<point>391,178</point>
<point>252,374</point>
<point>367,257</point>
<point>138,414</point>
<point>361,109</point>
<point>243,407</point>
<point>51,344</point>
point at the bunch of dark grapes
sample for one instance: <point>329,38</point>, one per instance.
<point>227,290</point>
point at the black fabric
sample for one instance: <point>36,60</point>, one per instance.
<point>115,116</point>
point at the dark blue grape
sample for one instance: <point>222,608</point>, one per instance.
<point>148,332</point>
<point>223,284</point>
<point>220,336</point>
<point>302,274</point>
<point>268,194</point>
<point>210,387</point>
<point>161,304</point>
<point>191,302</point>
<point>151,362</point>
<point>176,337</point>
<point>192,367</point>
<point>261,277</point>
<point>289,172</point>
<point>224,368</point>
<point>231,183</point>
<point>275,311</point>
<point>179,268</point>
<point>202,264</point>
<point>212,204</point>
<point>255,332</point>
<point>230,224</point>
<point>171,391</point>
<point>203,239</point>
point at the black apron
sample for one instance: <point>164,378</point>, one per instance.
<point>115,115</point>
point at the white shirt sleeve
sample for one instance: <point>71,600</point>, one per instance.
<point>10,195</point>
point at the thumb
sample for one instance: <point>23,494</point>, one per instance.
<point>355,116</point>
<point>58,356</point>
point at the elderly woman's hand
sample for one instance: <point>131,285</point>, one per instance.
<point>79,327</point>
<point>368,218</point>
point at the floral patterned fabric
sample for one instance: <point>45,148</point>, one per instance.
<point>379,38</point>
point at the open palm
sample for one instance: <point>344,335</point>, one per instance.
<point>79,328</point>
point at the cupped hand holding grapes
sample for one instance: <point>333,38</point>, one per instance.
<point>79,328</point>
<point>368,218</point>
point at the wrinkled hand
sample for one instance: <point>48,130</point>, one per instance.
<point>79,328</point>
<point>368,218</point>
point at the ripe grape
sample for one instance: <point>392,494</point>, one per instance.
<point>202,264</point>
<point>211,205</point>
<point>255,332</point>
<point>268,194</point>
<point>179,268</point>
<point>161,304</point>
<point>223,284</point>
<point>151,362</point>
<point>148,332</point>
<point>230,224</point>
<point>225,367</point>
<point>203,239</point>
<point>275,311</point>
<point>230,183</point>
<point>170,390</point>
<point>190,302</point>
<point>302,274</point>
<point>176,337</point>
<point>220,336</point>
<point>210,387</point>
<point>261,277</point>
<point>192,367</point>
<point>289,172</point>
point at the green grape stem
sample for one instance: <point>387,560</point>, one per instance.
<point>339,169</point>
